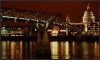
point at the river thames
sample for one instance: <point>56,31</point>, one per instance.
<point>58,49</point>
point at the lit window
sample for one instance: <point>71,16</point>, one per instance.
<point>93,26</point>
<point>54,33</point>
<point>91,30</point>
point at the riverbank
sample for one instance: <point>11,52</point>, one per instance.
<point>19,38</point>
<point>52,38</point>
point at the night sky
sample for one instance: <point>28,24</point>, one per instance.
<point>75,10</point>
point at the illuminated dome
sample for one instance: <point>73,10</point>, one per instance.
<point>88,16</point>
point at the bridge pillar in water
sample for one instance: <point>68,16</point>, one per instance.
<point>43,44</point>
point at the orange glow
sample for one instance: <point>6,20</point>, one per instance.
<point>73,48</point>
<point>96,49</point>
<point>12,50</point>
<point>54,49</point>
<point>54,33</point>
<point>55,28</point>
<point>67,50</point>
<point>85,49</point>
<point>21,49</point>
<point>3,50</point>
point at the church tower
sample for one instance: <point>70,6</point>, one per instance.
<point>88,17</point>
<point>67,23</point>
<point>67,19</point>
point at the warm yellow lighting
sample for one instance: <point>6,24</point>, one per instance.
<point>73,47</point>
<point>85,50</point>
<point>49,30</point>
<point>67,50</point>
<point>96,34</point>
<point>55,57</point>
<point>12,50</point>
<point>13,35</point>
<point>62,48</point>
<point>21,49</point>
<point>54,33</point>
<point>3,49</point>
<point>54,49</point>
<point>96,49</point>
<point>62,30</point>
<point>75,32</point>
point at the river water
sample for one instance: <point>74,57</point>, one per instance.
<point>58,49</point>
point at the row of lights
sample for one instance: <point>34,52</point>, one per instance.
<point>32,20</point>
<point>59,24</point>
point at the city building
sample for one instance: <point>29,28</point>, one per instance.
<point>74,29</point>
<point>91,27</point>
<point>88,26</point>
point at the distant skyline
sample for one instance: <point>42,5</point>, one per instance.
<point>75,10</point>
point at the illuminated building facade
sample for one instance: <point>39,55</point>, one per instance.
<point>88,17</point>
<point>87,27</point>
<point>91,27</point>
<point>74,29</point>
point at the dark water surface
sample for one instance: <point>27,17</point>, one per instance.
<point>59,50</point>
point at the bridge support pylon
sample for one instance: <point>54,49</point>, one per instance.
<point>43,45</point>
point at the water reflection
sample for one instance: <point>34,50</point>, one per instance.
<point>3,50</point>
<point>42,46</point>
<point>12,50</point>
<point>54,49</point>
<point>18,50</point>
<point>85,50</point>
<point>67,56</point>
<point>59,50</point>
<point>96,50</point>
<point>73,48</point>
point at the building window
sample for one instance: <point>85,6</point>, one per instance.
<point>88,32</point>
<point>91,30</point>
<point>93,26</point>
<point>89,24</point>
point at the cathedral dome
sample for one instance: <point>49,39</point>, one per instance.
<point>88,12</point>
<point>88,15</point>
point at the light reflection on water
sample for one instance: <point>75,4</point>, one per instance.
<point>54,49</point>
<point>85,50</point>
<point>59,50</point>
